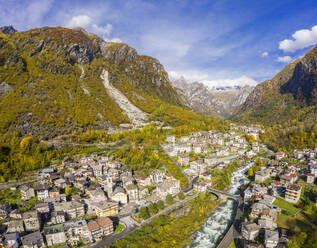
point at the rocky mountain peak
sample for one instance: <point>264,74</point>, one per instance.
<point>8,29</point>
<point>222,101</point>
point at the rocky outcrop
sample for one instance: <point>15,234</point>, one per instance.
<point>5,89</point>
<point>8,29</point>
<point>303,83</point>
<point>135,115</point>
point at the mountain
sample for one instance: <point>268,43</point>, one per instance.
<point>55,80</point>
<point>291,94</point>
<point>222,101</point>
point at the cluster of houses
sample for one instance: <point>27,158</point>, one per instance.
<point>75,201</point>
<point>211,147</point>
<point>260,196</point>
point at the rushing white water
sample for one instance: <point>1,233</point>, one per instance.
<point>219,221</point>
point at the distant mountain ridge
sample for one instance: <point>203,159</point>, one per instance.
<point>223,101</point>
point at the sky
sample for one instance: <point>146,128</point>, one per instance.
<point>217,42</point>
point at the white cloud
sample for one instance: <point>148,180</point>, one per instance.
<point>194,76</point>
<point>265,54</point>
<point>114,40</point>
<point>106,30</point>
<point>79,21</point>
<point>86,22</point>
<point>240,81</point>
<point>285,59</point>
<point>302,38</point>
<point>190,76</point>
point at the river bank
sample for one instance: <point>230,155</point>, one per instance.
<point>221,219</point>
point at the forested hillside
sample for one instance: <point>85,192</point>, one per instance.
<point>287,105</point>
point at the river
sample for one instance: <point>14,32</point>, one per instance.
<point>220,220</point>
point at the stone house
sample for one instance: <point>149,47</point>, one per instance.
<point>171,186</point>
<point>97,170</point>
<point>53,192</point>
<point>33,240</point>
<point>143,191</point>
<point>60,183</point>
<point>279,155</point>
<point>42,191</point>
<point>285,179</point>
<point>271,238</point>
<point>54,234</point>
<point>16,214</point>
<point>197,148</point>
<point>184,148</point>
<point>257,209</point>
<point>105,208</point>
<point>133,192</point>
<point>200,186</point>
<point>31,221</point>
<point>183,159</point>
<point>43,210</point>
<point>73,209</point>
<point>100,227</point>
<point>170,139</point>
<point>310,178</point>
<point>250,230</point>
<point>119,195</point>
<point>80,184</point>
<point>15,226</point>
<point>157,176</point>
<point>5,209</point>
<point>77,231</point>
<point>267,224</point>
<point>57,217</point>
<point>143,180</point>
<point>262,175</point>
<point>96,194</point>
<point>26,192</point>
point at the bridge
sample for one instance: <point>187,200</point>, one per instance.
<point>219,192</point>
<point>233,231</point>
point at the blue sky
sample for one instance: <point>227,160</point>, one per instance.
<point>217,42</point>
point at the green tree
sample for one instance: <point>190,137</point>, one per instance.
<point>160,205</point>
<point>144,213</point>
<point>250,172</point>
<point>152,208</point>
<point>169,199</point>
<point>181,195</point>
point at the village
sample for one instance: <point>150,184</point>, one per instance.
<point>85,199</point>
<point>275,191</point>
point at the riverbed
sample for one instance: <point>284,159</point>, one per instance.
<point>220,220</point>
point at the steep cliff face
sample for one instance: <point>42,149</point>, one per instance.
<point>291,92</point>
<point>50,81</point>
<point>222,101</point>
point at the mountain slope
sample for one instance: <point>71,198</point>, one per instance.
<point>292,93</point>
<point>222,101</point>
<point>50,82</point>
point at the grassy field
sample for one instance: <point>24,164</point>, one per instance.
<point>300,223</point>
<point>285,205</point>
